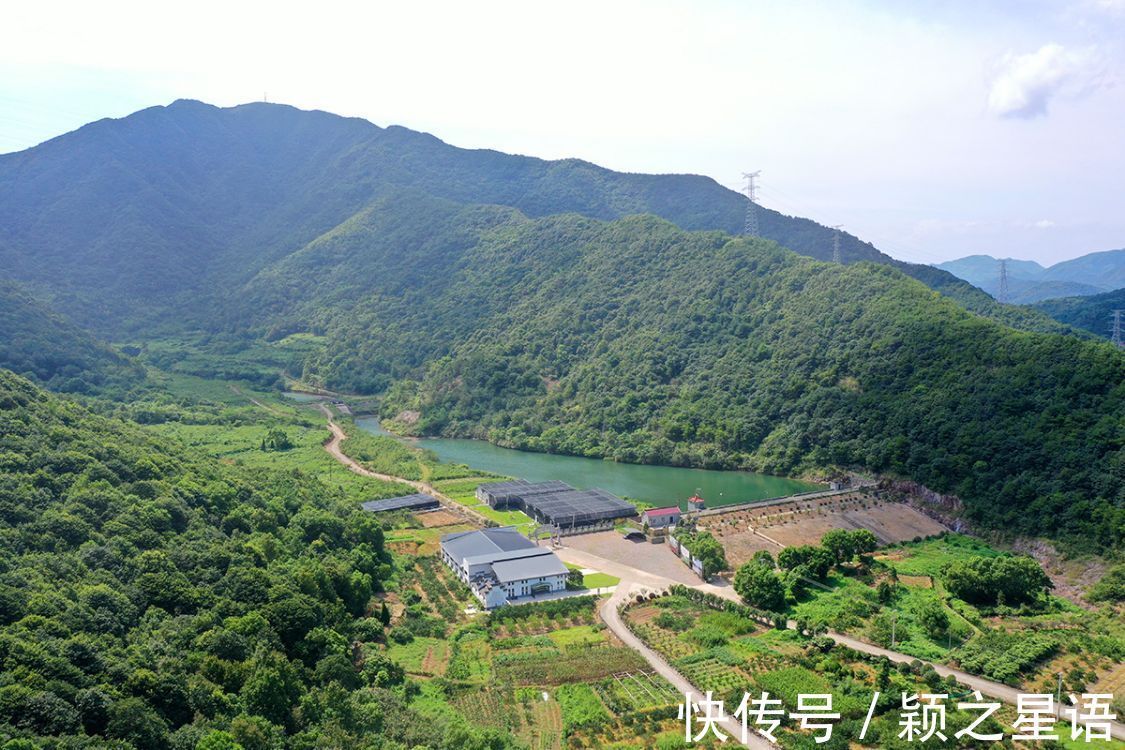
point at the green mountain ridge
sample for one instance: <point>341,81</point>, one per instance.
<point>1029,282</point>
<point>1093,313</point>
<point>146,223</point>
<point>636,340</point>
<point>548,305</point>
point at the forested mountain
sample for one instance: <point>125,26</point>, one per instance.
<point>43,346</point>
<point>145,223</point>
<point>1030,282</point>
<point>1093,313</point>
<point>151,597</point>
<point>636,340</point>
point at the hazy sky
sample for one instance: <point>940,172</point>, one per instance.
<point>934,129</point>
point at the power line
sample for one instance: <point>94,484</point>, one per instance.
<point>1002,294</point>
<point>751,190</point>
<point>1115,328</point>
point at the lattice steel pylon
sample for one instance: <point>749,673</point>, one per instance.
<point>836,244</point>
<point>751,190</point>
<point>1115,328</point>
<point>1002,293</point>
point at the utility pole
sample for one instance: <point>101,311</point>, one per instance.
<point>1115,328</point>
<point>751,190</point>
<point>1002,295</point>
<point>1058,697</point>
<point>894,622</point>
<point>836,244</point>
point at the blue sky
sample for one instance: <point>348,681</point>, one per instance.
<point>934,129</point>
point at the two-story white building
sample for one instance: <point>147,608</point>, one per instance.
<point>502,565</point>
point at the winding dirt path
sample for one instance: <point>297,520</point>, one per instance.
<point>332,445</point>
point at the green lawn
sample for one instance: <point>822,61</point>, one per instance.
<point>578,635</point>
<point>599,580</point>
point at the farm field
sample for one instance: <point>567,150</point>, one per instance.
<point>745,532</point>
<point>238,433</point>
<point>550,674</point>
<point>1026,647</point>
<point>463,490</point>
<point>786,664</point>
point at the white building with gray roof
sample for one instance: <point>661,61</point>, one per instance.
<point>502,565</point>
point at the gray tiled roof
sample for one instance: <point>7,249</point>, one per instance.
<point>486,543</point>
<point>540,566</point>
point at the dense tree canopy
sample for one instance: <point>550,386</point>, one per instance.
<point>760,587</point>
<point>150,597</point>
<point>41,345</point>
<point>1009,580</point>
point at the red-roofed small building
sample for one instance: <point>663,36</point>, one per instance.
<point>658,518</point>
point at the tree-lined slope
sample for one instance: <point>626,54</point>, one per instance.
<point>42,345</point>
<point>1093,313</point>
<point>152,599</point>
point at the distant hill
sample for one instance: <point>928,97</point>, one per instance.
<point>1030,282</point>
<point>45,347</point>
<point>148,222</point>
<point>1092,313</point>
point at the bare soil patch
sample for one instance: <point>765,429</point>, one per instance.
<point>438,518</point>
<point>744,532</point>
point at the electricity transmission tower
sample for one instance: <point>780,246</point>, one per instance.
<point>751,190</point>
<point>1002,294</point>
<point>1115,328</point>
<point>836,244</point>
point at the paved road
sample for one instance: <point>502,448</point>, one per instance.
<point>612,618</point>
<point>997,690</point>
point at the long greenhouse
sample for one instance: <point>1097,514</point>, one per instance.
<point>557,504</point>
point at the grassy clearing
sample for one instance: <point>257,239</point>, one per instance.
<point>421,656</point>
<point>463,490</point>
<point>242,444</point>
<point>580,635</point>
<point>928,557</point>
<point>599,580</point>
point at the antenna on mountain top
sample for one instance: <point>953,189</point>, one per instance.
<point>1115,328</point>
<point>1002,294</point>
<point>751,190</point>
<point>836,244</point>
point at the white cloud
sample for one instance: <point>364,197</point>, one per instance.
<point>1025,84</point>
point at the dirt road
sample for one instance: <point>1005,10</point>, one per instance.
<point>333,447</point>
